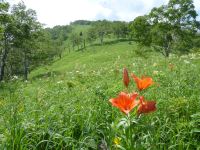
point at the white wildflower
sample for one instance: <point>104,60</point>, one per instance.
<point>155,72</point>
<point>15,77</point>
<point>186,61</point>
<point>59,82</point>
<point>154,64</point>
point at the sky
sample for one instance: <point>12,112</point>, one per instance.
<point>62,12</point>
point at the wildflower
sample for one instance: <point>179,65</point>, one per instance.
<point>117,141</point>
<point>59,82</point>
<point>184,56</point>
<point>15,77</point>
<point>126,79</point>
<point>192,56</point>
<point>186,61</point>
<point>154,64</point>
<point>2,102</point>
<point>146,106</point>
<point>171,66</point>
<point>125,102</point>
<point>142,83</point>
<point>155,72</point>
<point>21,108</point>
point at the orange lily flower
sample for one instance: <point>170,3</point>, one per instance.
<point>125,102</point>
<point>142,83</point>
<point>125,77</point>
<point>146,106</point>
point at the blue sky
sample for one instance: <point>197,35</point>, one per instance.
<point>62,12</point>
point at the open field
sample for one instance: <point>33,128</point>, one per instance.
<point>66,105</point>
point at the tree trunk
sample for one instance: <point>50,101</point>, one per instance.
<point>167,53</point>
<point>101,38</point>
<point>167,50</point>
<point>3,58</point>
<point>84,43</point>
<point>11,70</point>
<point>73,45</point>
<point>167,45</point>
<point>26,65</point>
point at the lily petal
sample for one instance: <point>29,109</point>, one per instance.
<point>146,106</point>
<point>142,83</point>
<point>125,102</point>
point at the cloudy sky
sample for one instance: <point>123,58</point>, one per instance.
<point>62,12</point>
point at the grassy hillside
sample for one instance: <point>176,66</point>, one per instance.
<point>65,105</point>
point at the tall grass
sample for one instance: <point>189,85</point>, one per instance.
<point>65,105</point>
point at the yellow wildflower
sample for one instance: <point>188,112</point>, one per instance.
<point>117,140</point>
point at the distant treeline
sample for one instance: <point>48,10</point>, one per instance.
<point>26,44</point>
<point>88,32</point>
<point>82,22</point>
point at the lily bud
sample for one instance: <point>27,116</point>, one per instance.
<point>126,79</point>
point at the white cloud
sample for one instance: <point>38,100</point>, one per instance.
<point>197,5</point>
<point>129,9</point>
<point>62,12</point>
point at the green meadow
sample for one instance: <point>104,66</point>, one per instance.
<point>65,105</point>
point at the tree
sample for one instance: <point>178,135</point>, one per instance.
<point>102,29</point>
<point>167,28</point>
<point>45,51</point>
<point>140,30</point>
<point>26,34</point>
<point>120,29</point>
<point>24,44</point>
<point>60,32</point>
<point>81,22</point>
<point>173,25</point>
<point>76,40</point>
<point>5,36</point>
<point>91,35</point>
<point>83,39</point>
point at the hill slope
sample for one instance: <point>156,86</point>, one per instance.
<point>65,105</point>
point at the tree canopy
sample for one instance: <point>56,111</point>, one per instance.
<point>167,28</point>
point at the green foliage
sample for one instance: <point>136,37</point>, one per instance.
<point>141,30</point>
<point>24,44</point>
<point>6,30</point>
<point>81,22</point>
<point>91,35</point>
<point>27,31</point>
<point>65,105</point>
<point>102,28</point>
<point>168,28</point>
<point>60,32</point>
<point>176,23</point>
<point>120,29</point>
<point>76,40</point>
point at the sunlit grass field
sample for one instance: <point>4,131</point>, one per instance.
<point>66,105</point>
